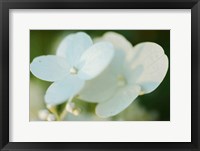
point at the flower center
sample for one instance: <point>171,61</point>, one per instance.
<point>121,81</point>
<point>73,70</point>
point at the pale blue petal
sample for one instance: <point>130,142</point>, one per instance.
<point>61,91</point>
<point>100,88</point>
<point>120,101</point>
<point>95,60</point>
<point>154,64</point>
<point>49,68</point>
<point>73,46</point>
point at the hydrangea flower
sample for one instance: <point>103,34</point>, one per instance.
<point>133,71</point>
<point>76,61</point>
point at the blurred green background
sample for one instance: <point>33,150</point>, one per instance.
<point>154,106</point>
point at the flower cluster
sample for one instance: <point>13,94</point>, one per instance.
<point>109,71</point>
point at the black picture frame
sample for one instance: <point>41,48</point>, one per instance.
<point>5,5</point>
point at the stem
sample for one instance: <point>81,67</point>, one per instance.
<point>54,111</point>
<point>57,116</point>
<point>64,112</point>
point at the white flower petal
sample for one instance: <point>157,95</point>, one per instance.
<point>120,101</point>
<point>73,46</point>
<point>119,42</point>
<point>100,88</point>
<point>154,65</point>
<point>60,91</point>
<point>154,75</point>
<point>104,85</point>
<point>49,68</point>
<point>118,62</point>
<point>95,60</point>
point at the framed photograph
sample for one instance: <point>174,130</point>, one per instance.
<point>127,70</point>
<point>99,75</point>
